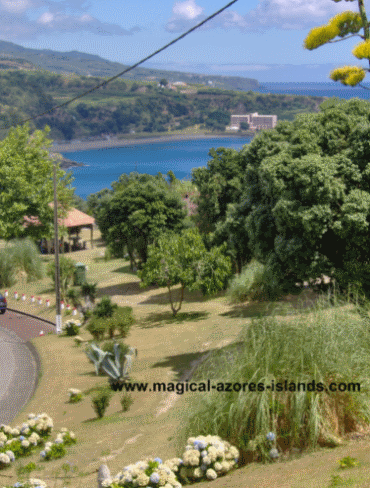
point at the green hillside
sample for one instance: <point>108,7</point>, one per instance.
<point>91,65</point>
<point>130,107</point>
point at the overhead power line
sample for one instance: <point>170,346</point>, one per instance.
<point>127,69</point>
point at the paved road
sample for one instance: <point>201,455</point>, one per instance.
<point>19,362</point>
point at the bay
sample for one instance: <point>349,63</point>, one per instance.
<point>103,166</point>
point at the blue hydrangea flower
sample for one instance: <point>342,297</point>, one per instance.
<point>181,461</point>
<point>154,478</point>
<point>202,445</point>
<point>270,436</point>
<point>158,460</point>
<point>204,467</point>
<point>21,437</point>
<point>42,454</point>
<point>18,485</point>
<point>274,453</point>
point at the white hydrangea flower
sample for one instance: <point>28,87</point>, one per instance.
<point>207,460</point>
<point>211,474</point>
<point>197,473</point>
<point>225,465</point>
<point>64,429</point>
<point>142,479</point>
<point>218,466</point>
<point>4,458</point>
<point>107,482</point>
<point>36,482</point>
<point>25,443</point>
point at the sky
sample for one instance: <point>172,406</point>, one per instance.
<point>261,39</point>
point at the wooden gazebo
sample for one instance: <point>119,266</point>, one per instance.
<point>74,221</point>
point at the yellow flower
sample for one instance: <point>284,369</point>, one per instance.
<point>348,75</point>
<point>362,50</point>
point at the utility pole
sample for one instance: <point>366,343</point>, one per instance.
<point>56,250</point>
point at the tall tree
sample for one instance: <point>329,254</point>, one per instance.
<point>182,259</point>
<point>138,213</point>
<point>340,27</point>
<point>26,183</point>
<point>305,204</point>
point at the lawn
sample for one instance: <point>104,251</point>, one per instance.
<point>168,349</point>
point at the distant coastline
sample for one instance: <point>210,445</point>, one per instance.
<point>75,146</point>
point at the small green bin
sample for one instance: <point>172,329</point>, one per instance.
<point>80,274</point>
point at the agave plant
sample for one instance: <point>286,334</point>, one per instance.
<point>97,356</point>
<point>117,369</point>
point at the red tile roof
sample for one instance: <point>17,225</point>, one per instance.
<point>75,218</point>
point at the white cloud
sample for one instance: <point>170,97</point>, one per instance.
<point>269,14</point>
<point>45,18</point>
<point>184,15</point>
<point>53,18</point>
<point>187,10</point>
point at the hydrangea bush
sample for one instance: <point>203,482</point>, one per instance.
<point>22,440</point>
<point>75,395</point>
<point>149,473</point>
<point>207,458</point>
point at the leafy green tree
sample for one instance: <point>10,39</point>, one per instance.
<point>218,184</point>
<point>26,186</point>
<point>244,126</point>
<point>305,202</point>
<point>182,259</point>
<point>340,27</point>
<point>137,215</point>
<point>163,82</point>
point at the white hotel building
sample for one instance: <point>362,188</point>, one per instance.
<point>254,120</point>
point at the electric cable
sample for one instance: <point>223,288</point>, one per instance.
<point>125,70</point>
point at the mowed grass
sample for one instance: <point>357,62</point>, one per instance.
<point>168,349</point>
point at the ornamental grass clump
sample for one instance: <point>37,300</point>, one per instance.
<point>299,408</point>
<point>207,458</point>
<point>149,473</point>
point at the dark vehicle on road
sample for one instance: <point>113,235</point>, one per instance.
<point>2,303</point>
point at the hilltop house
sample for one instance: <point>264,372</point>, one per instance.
<point>254,120</point>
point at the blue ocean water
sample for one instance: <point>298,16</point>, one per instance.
<point>316,89</point>
<point>103,166</point>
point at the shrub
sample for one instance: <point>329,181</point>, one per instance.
<point>105,308</point>
<point>28,468</point>
<point>100,402</point>
<point>123,319</point>
<point>126,402</point>
<point>72,327</point>
<point>74,296</point>
<point>97,327</point>
<point>75,395</point>
<point>56,451</point>
<point>89,289</point>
